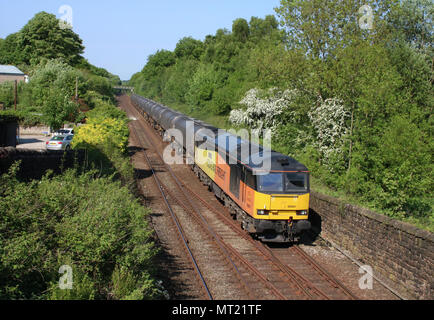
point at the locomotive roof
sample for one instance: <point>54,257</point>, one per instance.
<point>228,143</point>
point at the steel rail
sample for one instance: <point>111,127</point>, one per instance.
<point>230,249</point>
<point>303,285</point>
<point>224,247</point>
<point>178,226</point>
<point>326,275</point>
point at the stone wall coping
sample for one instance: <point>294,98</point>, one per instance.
<point>17,153</point>
<point>402,226</point>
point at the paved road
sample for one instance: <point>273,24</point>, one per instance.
<point>33,142</point>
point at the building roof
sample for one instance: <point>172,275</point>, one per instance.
<point>10,70</point>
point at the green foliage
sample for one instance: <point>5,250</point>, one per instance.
<point>10,116</point>
<point>413,23</point>
<point>264,29</point>
<point>51,91</point>
<point>9,50</point>
<point>189,47</point>
<point>201,86</point>
<point>51,55</point>
<point>58,108</point>
<point>382,77</point>
<point>92,224</point>
<point>211,75</point>
<point>176,85</point>
<point>7,94</point>
<point>240,30</point>
<point>105,137</point>
<point>42,37</point>
<point>319,27</point>
<point>86,219</point>
<point>53,75</point>
<point>407,194</point>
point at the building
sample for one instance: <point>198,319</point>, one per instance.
<point>11,73</point>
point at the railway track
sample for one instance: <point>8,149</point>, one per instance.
<point>259,271</point>
<point>228,253</point>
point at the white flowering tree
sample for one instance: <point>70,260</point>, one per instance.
<point>328,120</point>
<point>263,109</point>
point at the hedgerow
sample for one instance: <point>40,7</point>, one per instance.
<point>90,223</point>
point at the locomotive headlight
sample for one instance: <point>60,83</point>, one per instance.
<point>302,213</point>
<point>262,213</point>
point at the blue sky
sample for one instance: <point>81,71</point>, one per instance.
<point>120,35</point>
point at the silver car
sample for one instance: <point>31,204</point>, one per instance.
<point>58,143</point>
<point>64,132</point>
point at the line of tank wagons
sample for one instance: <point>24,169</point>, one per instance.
<point>272,206</point>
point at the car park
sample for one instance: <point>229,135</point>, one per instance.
<point>59,143</point>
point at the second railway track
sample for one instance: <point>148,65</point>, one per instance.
<point>255,270</point>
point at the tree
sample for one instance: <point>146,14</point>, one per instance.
<point>363,77</point>
<point>7,94</point>
<point>189,48</point>
<point>405,171</point>
<point>413,22</point>
<point>54,75</point>
<point>240,30</point>
<point>42,37</point>
<point>202,86</point>
<point>59,108</point>
<point>319,27</point>
<point>177,83</point>
<point>157,62</point>
<point>10,51</point>
<point>261,29</point>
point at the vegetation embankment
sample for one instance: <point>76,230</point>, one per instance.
<point>51,56</point>
<point>85,223</point>
<point>346,90</point>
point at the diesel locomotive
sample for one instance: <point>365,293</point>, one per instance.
<point>272,205</point>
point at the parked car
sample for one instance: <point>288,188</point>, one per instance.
<point>58,143</point>
<point>64,132</point>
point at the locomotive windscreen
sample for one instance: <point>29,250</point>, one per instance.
<point>284,182</point>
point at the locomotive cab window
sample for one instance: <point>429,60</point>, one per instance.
<point>250,179</point>
<point>272,182</point>
<point>284,182</point>
<point>298,182</point>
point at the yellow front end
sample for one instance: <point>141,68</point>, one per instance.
<point>281,206</point>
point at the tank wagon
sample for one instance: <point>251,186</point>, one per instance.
<point>272,205</point>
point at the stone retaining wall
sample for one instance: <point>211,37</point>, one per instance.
<point>38,130</point>
<point>35,164</point>
<point>399,253</point>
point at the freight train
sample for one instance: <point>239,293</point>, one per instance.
<point>272,205</point>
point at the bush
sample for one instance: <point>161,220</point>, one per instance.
<point>92,224</point>
<point>7,94</point>
<point>202,86</point>
<point>101,131</point>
